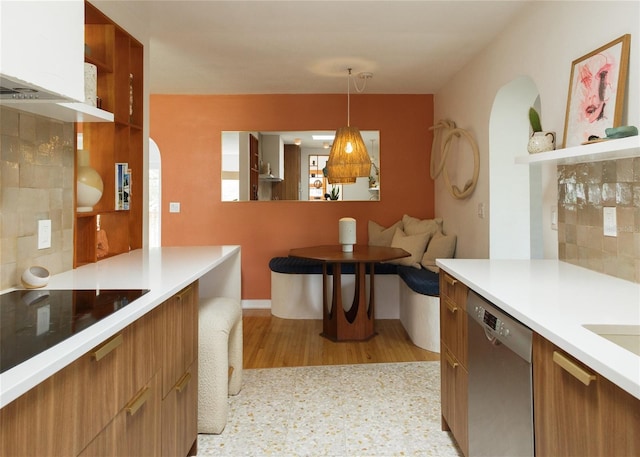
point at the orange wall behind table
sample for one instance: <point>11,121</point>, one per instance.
<point>187,129</point>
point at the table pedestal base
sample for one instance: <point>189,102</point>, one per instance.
<point>356,324</point>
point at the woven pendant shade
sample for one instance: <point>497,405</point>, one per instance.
<point>348,157</point>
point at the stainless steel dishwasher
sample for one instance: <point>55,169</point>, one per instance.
<point>500,382</point>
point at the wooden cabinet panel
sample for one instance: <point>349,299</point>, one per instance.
<point>289,188</point>
<point>31,415</point>
<point>180,342</point>
<point>573,418</point>
<point>101,387</point>
<point>135,430</point>
<point>453,318</point>
<point>85,407</point>
<point>180,365</point>
<point>453,363</point>
<point>179,415</point>
<point>620,416</point>
<point>454,394</point>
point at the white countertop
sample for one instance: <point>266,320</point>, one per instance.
<point>555,299</point>
<point>164,271</point>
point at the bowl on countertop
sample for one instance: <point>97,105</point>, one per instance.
<point>35,277</point>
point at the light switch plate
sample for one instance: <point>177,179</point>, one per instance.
<point>554,218</point>
<point>610,221</point>
<point>174,207</point>
<point>44,233</point>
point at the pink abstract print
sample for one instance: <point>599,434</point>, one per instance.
<point>595,87</point>
<point>596,92</point>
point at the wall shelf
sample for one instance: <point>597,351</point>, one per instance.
<point>117,139</point>
<point>606,150</point>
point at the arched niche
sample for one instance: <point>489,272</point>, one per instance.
<point>515,191</point>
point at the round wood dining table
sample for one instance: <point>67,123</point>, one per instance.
<point>357,323</point>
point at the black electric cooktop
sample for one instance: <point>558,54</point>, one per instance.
<point>32,321</point>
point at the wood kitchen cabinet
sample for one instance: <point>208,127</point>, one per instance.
<point>110,401</point>
<point>453,364</point>
<point>179,373</point>
<point>577,411</point>
<point>289,188</point>
<point>119,59</point>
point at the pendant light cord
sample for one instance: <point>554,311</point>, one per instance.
<point>349,99</point>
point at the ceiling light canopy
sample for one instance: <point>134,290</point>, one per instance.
<point>348,158</point>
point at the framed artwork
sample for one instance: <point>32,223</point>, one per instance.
<point>596,92</point>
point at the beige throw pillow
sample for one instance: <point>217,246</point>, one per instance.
<point>413,244</point>
<point>414,226</point>
<point>440,247</point>
<point>382,236</point>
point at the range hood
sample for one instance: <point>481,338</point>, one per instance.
<point>12,90</point>
<point>24,96</point>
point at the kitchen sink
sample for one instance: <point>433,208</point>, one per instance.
<point>625,336</point>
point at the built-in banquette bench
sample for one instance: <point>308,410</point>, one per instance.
<point>406,289</point>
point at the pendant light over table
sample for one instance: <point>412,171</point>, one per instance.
<point>348,158</point>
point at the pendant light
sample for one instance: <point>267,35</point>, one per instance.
<point>348,158</point>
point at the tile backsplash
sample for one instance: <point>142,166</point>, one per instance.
<point>583,191</point>
<point>36,182</point>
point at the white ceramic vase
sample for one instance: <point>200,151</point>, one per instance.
<point>541,142</point>
<point>89,184</point>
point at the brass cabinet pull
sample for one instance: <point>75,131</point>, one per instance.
<point>451,281</point>
<point>107,347</point>
<point>451,306</point>
<point>184,380</point>
<point>574,370</point>
<point>136,402</point>
<point>183,292</point>
<point>450,360</point>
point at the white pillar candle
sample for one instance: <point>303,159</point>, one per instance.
<point>347,233</point>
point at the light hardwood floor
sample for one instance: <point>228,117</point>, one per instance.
<point>272,342</point>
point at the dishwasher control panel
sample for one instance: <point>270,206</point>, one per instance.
<point>491,321</point>
<point>499,325</point>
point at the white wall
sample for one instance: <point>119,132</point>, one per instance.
<point>541,44</point>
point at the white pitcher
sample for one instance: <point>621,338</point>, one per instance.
<point>541,142</point>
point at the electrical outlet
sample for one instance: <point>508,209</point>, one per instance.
<point>609,222</point>
<point>174,207</point>
<point>554,218</point>
<point>44,233</point>
<point>481,210</point>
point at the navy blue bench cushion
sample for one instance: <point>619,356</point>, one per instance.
<point>294,265</point>
<point>421,281</point>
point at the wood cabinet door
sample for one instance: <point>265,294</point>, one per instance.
<point>102,387</point>
<point>180,342</point>
<point>620,421</point>
<point>48,412</point>
<point>453,317</point>
<point>566,410</point>
<point>454,395</point>
<point>180,415</point>
<point>135,431</point>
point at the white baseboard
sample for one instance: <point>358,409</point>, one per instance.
<point>256,304</point>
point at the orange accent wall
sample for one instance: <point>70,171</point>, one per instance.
<point>187,129</point>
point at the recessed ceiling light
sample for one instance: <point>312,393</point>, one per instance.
<point>323,137</point>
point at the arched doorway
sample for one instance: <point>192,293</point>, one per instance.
<point>515,191</point>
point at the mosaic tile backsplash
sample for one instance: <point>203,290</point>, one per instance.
<point>583,191</point>
<point>36,182</point>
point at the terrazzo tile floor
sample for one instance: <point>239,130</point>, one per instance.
<point>375,410</point>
